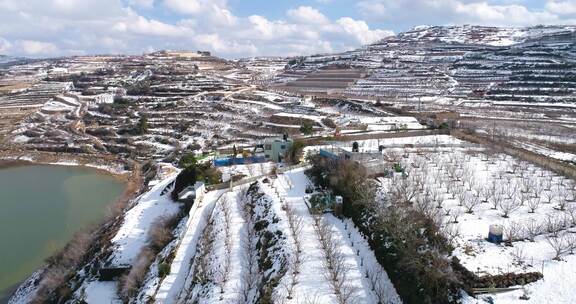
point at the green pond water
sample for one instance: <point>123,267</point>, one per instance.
<point>41,207</point>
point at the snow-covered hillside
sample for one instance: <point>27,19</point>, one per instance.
<point>4,60</point>
<point>528,65</point>
<point>259,243</point>
<point>487,35</point>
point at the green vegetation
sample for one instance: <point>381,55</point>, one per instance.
<point>307,128</point>
<point>187,160</point>
<point>343,177</point>
<point>193,172</point>
<point>294,153</point>
<point>163,269</point>
<point>142,126</point>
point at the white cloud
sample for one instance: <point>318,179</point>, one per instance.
<point>34,48</point>
<point>140,25</point>
<point>301,35</point>
<point>361,30</point>
<point>40,28</point>
<point>498,13</point>
<point>142,3</point>
<point>207,12</point>
<point>307,15</point>
<point>562,7</point>
<point>5,45</point>
<point>194,7</point>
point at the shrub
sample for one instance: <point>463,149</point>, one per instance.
<point>160,233</point>
<point>329,123</point>
<point>306,128</point>
<point>163,270</point>
<point>346,178</point>
<point>141,127</point>
<point>187,160</point>
<point>295,152</point>
<point>131,282</point>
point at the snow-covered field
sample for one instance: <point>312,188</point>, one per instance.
<point>133,233</point>
<point>264,235</point>
<point>468,190</point>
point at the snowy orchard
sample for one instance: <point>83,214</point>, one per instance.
<point>467,189</point>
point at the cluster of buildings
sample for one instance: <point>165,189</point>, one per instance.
<point>271,150</point>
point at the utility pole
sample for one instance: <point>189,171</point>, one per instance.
<point>493,130</point>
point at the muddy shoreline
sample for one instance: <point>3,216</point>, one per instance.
<point>105,164</point>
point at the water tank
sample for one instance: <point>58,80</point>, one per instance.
<point>495,234</point>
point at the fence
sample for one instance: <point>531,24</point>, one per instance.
<point>255,178</point>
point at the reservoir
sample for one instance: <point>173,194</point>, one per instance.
<point>41,207</point>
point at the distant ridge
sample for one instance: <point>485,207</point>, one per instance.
<point>484,35</point>
<point>499,65</point>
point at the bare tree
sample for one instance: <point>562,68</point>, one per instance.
<point>572,194</point>
<point>459,193</point>
<point>547,183</point>
<point>570,239</point>
<point>559,245</point>
<point>548,196</point>
<point>523,198</point>
<point>295,223</point>
<point>455,214</point>
<point>519,255</point>
<point>533,229</point>
<point>485,194</point>
<point>404,190</point>
<point>533,203</point>
<point>334,263</point>
<point>523,168</point>
<point>469,180</point>
<point>435,196</point>
<point>511,190</point>
<point>538,188</point>
<point>451,231</point>
<point>514,232</point>
<point>470,202</point>
<point>377,278</point>
<point>250,275</point>
<point>571,214</point>
<point>555,224</point>
<point>497,197</point>
<point>508,206</point>
<point>526,184</point>
<point>223,271</point>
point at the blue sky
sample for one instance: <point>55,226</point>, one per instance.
<point>239,28</point>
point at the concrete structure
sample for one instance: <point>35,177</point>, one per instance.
<point>193,193</point>
<point>275,149</point>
